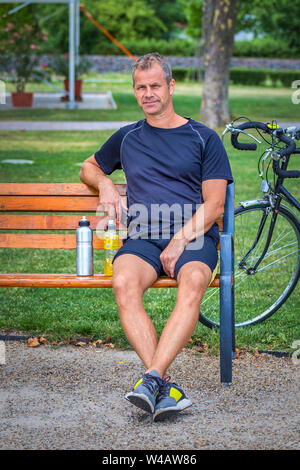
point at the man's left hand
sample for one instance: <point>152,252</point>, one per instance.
<point>171,254</point>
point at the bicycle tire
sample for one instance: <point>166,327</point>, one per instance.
<point>261,294</point>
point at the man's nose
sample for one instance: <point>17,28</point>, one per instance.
<point>148,91</point>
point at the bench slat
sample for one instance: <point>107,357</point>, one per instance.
<point>52,222</point>
<point>47,241</point>
<point>49,203</point>
<point>72,280</point>
<point>55,189</point>
<point>44,240</point>
<point>44,221</point>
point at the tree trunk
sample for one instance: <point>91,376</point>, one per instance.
<point>208,10</point>
<point>218,51</point>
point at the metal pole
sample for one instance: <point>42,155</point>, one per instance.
<point>71,104</point>
<point>14,10</point>
<point>77,38</point>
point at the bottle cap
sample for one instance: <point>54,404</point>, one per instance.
<point>111,225</point>
<point>84,222</point>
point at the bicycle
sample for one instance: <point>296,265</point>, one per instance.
<point>267,232</point>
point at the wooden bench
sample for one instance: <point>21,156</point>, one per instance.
<point>51,207</point>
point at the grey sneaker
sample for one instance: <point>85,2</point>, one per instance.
<point>145,391</point>
<point>170,400</point>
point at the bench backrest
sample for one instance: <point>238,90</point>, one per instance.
<point>50,207</point>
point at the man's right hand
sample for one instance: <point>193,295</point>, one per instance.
<point>110,200</point>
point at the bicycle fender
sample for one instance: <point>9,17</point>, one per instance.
<point>265,202</point>
<point>253,202</point>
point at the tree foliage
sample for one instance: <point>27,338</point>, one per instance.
<point>172,14</point>
<point>135,20</point>
<point>280,18</point>
<point>130,20</point>
<point>261,17</point>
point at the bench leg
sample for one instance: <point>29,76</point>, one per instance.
<point>227,342</point>
<point>233,307</point>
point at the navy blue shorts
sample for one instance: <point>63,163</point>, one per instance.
<point>150,250</point>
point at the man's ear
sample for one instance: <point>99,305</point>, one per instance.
<point>172,86</point>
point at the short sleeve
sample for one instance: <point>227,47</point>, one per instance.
<point>215,163</point>
<point>108,156</point>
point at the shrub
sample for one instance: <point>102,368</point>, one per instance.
<point>285,77</point>
<point>173,47</point>
<point>258,77</point>
<point>186,73</point>
<point>244,76</point>
<point>264,47</point>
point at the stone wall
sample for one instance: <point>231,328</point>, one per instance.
<point>123,63</point>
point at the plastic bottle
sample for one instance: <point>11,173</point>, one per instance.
<point>111,246</point>
<point>84,249</point>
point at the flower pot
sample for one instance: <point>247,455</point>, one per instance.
<point>22,99</point>
<point>78,90</point>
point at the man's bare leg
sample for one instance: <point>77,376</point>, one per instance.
<point>193,279</point>
<point>132,276</point>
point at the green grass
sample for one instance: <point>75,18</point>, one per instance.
<point>69,313</point>
<point>259,103</point>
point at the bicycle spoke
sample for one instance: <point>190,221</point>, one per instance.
<point>277,261</point>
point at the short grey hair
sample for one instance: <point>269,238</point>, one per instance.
<point>146,61</point>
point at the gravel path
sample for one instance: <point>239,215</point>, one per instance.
<point>72,398</point>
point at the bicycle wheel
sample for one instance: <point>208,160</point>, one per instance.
<point>259,294</point>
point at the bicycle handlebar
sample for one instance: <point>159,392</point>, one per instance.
<point>285,173</point>
<point>247,125</point>
<point>291,146</point>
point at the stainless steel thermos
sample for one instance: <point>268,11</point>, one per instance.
<point>84,249</point>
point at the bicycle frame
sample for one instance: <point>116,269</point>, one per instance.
<point>293,201</point>
<point>280,189</point>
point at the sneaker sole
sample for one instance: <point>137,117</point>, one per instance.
<point>164,413</point>
<point>140,401</point>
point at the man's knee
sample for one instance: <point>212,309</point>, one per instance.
<point>121,282</point>
<point>194,280</point>
<point>125,286</point>
<point>197,279</point>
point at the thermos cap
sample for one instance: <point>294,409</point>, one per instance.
<point>84,222</point>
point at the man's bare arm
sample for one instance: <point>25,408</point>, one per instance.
<point>109,196</point>
<point>214,194</point>
<point>91,173</point>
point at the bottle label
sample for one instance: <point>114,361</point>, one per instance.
<point>111,246</point>
<point>111,242</point>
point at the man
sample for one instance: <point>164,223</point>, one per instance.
<point>174,162</point>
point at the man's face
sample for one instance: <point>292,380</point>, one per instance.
<point>152,92</point>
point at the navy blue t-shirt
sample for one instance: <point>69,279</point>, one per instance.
<point>165,167</point>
